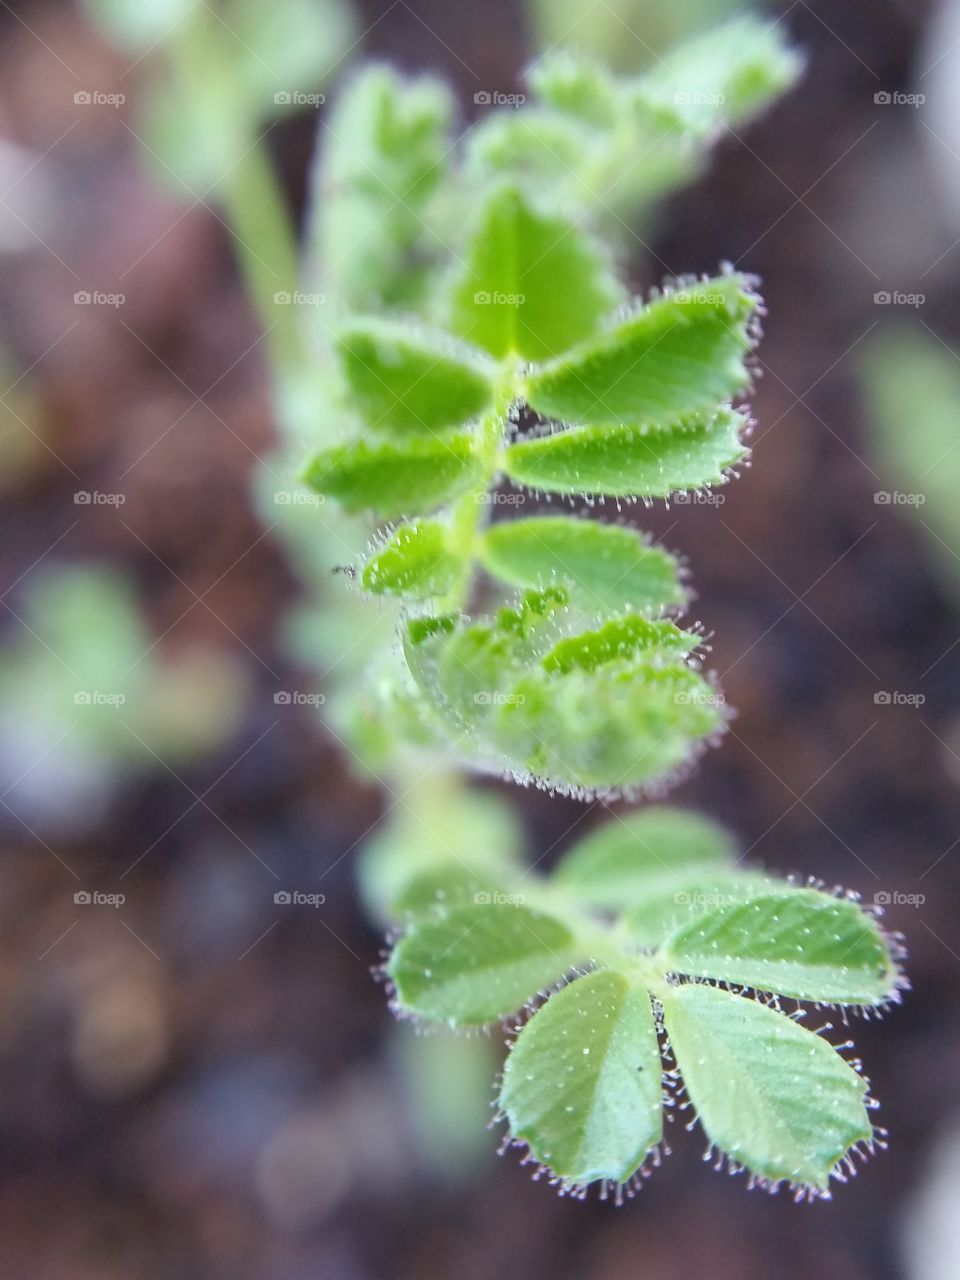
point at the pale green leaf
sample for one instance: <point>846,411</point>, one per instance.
<point>478,962</point>
<point>774,1097</point>
<point>724,76</point>
<point>382,155</point>
<point>677,898</point>
<point>417,561</point>
<point>606,566</point>
<point>798,942</point>
<point>534,284</point>
<point>582,1084</point>
<point>396,479</point>
<point>578,86</point>
<point>409,380</point>
<point>676,356</point>
<point>610,730</point>
<point>629,461</point>
<point>633,857</point>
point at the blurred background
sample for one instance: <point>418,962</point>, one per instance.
<point>202,1081</point>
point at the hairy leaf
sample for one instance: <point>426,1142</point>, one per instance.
<point>724,76</point>
<point>582,1084</point>
<point>620,639</point>
<point>395,479</point>
<point>772,1096</point>
<point>606,566</point>
<point>631,461</point>
<point>416,562</point>
<point>629,858</point>
<point>478,962</point>
<point>798,942</point>
<point>383,154</point>
<point>676,356</point>
<point>408,380</point>
<point>678,898</point>
<point>534,283</point>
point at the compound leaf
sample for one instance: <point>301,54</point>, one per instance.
<point>395,479</point>
<point>534,284</point>
<point>772,1096</point>
<point>408,380</point>
<point>676,356</point>
<point>675,899</point>
<point>417,561</point>
<point>631,461</point>
<point>582,1084</point>
<point>606,566</point>
<point>799,943</point>
<point>630,858</point>
<point>476,963</point>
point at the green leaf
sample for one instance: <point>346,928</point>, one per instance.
<point>630,858</point>
<point>577,86</point>
<point>383,154</point>
<point>620,639</point>
<point>477,963</point>
<point>408,380</point>
<point>455,842</point>
<point>676,356</point>
<point>286,48</point>
<point>724,76</point>
<point>582,1084</point>
<point>534,284</point>
<point>799,943</point>
<point>772,1096</point>
<point>609,730</point>
<point>631,461</point>
<point>606,566</point>
<point>676,899</point>
<point>417,562</point>
<point>396,479</point>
